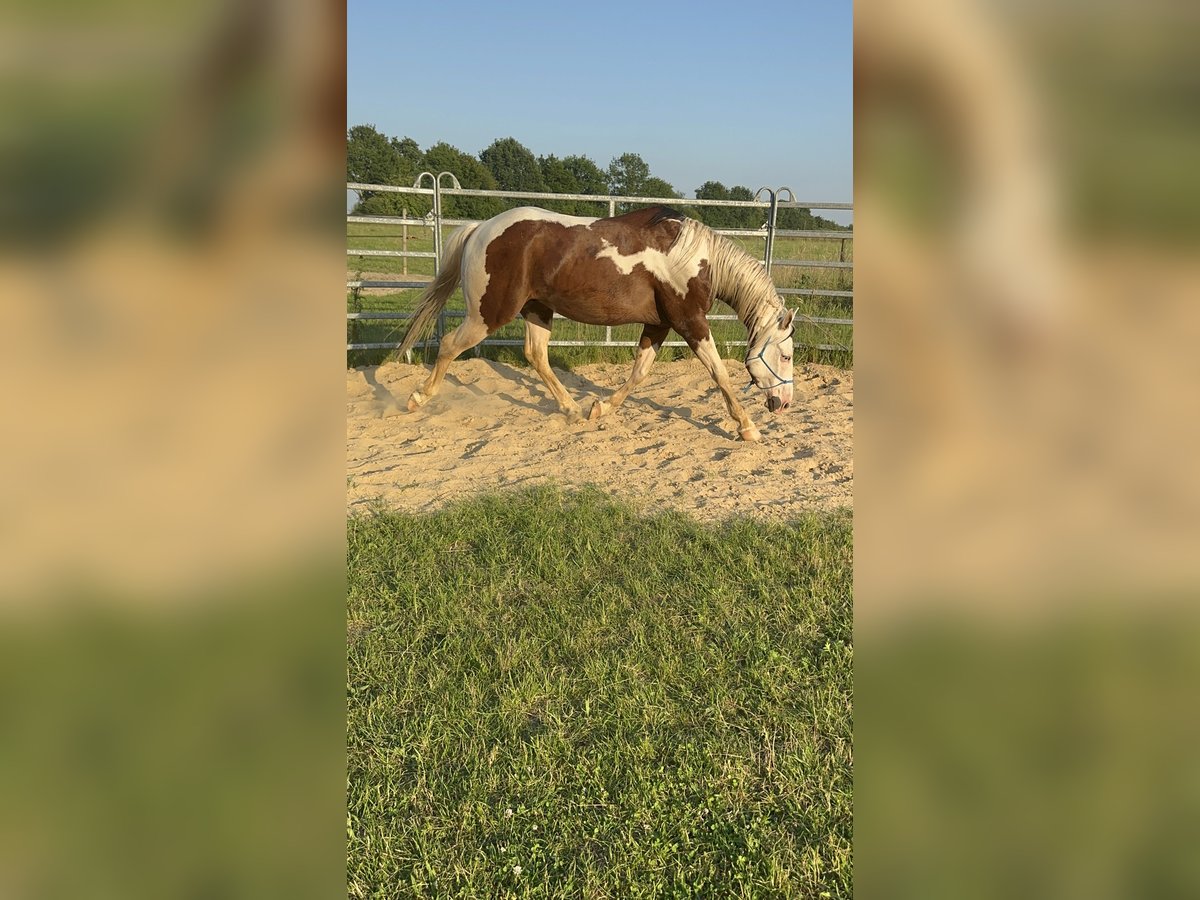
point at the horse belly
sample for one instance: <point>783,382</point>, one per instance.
<point>603,307</point>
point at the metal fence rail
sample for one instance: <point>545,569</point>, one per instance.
<point>437,221</point>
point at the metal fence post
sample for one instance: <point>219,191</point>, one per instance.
<point>772,219</point>
<point>437,224</point>
<point>769,242</point>
<point>437,242</point>
<point>437,249</point>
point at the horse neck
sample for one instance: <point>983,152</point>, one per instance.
<point>741,281</point>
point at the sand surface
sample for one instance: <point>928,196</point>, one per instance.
<point>495,426</point>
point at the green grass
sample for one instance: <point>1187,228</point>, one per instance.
<point>663,705</point>
<point>390,237</point>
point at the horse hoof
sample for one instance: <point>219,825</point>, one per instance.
<point>750,434</point>
<point>415,401</point>
<point>574,416</point>
<point>595,412</point>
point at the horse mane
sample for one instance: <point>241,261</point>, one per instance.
<point>662,213</point>
<point>737,277</point>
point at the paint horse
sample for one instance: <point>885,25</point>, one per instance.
<point>652,266</point>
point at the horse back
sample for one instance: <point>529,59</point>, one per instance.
<point>599,271</point>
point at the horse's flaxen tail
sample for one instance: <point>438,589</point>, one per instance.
<point>434,298</point>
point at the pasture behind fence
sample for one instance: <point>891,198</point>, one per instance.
<point>818,324</point>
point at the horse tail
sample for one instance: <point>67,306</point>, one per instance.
<point>433,299</point>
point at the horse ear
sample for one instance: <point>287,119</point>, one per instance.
<point>786,318</point>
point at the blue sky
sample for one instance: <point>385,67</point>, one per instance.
<point>755,94</point>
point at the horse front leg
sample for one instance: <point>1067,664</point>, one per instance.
<point>706,351</point>
<point>648,346</point>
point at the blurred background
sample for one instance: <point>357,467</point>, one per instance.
<point>171,510</point>
<point>1027,493</point>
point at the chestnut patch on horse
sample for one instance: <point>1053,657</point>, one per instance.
<point>571,269</point>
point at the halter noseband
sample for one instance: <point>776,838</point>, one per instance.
<point>759,357</point>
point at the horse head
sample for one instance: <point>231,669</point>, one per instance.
<point>769,360</point>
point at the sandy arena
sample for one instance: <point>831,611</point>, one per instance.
<point>671,444</point>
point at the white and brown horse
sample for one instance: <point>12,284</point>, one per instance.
<point>652,266</point>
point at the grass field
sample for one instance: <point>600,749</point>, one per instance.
<point>361,236</point>
<point>552,696</point>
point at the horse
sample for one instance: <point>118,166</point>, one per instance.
<point>652,266</point>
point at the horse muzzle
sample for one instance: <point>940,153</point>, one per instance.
<point>774,404</point>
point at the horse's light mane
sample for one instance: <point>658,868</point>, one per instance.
<point>737,277</point>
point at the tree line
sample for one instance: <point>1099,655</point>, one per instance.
<point>507,165</point>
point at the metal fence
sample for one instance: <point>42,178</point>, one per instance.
<point>446,184</point>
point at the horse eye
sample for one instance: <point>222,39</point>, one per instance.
<point>786,358</point>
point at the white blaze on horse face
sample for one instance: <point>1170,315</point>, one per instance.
<point>675,271</point>
<point>786,371</point>
<point>770,365</point>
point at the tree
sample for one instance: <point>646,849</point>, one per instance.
<point>591,179</point>
<point>656,187</point>
<point>804,220</point>
<point>744,216</point>
<point>411,159</point>
<point>627,175</point>
<point>715,216</point>
<point>559,178</point>
<point>797,219</point>
<point>370,156</point>
<point>471,173</point>
<point>513,166</point>
<point>374,158</point>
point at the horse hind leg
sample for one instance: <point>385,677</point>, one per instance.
<point>538,321</point>
<point>648,346</point>
<point>464,337</point>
